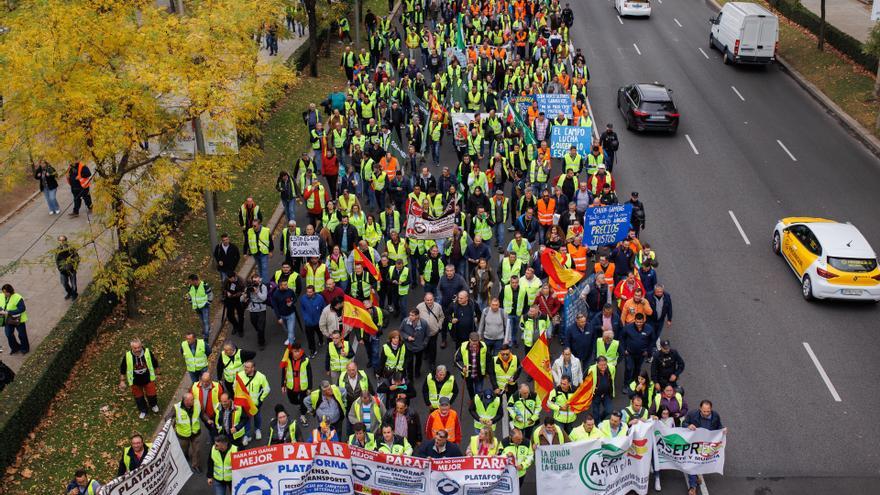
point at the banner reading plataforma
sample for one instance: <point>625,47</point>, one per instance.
<point>697,451</point>
<point>163,472</point>
<point>292,469</point>
<point>608,466</point>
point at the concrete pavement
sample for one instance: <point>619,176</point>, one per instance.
<point>27,238</point>
<point>753,147</point>
<point>853,17</point>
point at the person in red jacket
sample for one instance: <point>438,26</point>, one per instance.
<point>330,169</point>
<point>316,198</point>
<point>626,288</point>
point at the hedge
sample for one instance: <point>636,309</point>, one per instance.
<point>24,402</point>
<point>849,46</point>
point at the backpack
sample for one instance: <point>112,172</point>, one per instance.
<point>613,142</point>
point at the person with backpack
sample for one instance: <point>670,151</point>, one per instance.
<point>610,143</point>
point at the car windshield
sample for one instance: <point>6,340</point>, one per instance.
<point>853,264</point>
<point>657,106</point>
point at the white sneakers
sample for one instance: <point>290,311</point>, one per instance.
<point>246,440</point>
<point>142,415</point>
<point>155,409</point>
<point>657,482</point>
<point>258,435</point>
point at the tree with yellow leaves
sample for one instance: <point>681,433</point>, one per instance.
<point>96,80</point>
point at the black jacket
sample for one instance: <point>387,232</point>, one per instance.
<point>48,175</point>
<point>413,425</point>
<point>665,364</point>
<point>665,314</point>
<point>353,236</point>
<point>229,258</point>
<point>426,450</point>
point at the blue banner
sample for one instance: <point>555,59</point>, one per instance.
<point>606,225</point>
<point>553,104</point>
<point>522,102</point>
<point>563,137</point>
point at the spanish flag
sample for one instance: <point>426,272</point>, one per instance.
<point>582,398</point>
<point>537,365</point>
<point>551,261</point>
<point>356,315</point>
<point>242,397</point>
<point>368,265</point>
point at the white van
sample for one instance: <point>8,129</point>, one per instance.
<point>745,33</point>
<point>633,8</point>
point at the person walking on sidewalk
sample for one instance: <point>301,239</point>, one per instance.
<point>48,178</point>
<point>188,427</point>
<point>13,315</point>
<point>80,179</point>
<point>201,295</point>
<point>67,261</point>
<point>260,246</point>
<point>226,257</point>
<point>139,370</point>
<point>256,298</point>
<point>233,290</point>
<point>194,355</point>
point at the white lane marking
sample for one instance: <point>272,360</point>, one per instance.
<point>739,228</point>
<point>637,48</point>
<point>737,93</point>
<point>704,53</point>
<point>661,1</point>
<point>620,20</point>
<point>692,144</point>
<point>704,489</point>
<point>676,22</point>
<point>822,372</point>
<point>786,151</point>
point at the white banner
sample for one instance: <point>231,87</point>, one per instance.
<point>303,246</point>
<point>608,466</point>
<point>293,469</point>
<point>420,227</point>
<point>697,451</point>
<point>375,472</point>
<point>163,472</point>
<point>474,476</point>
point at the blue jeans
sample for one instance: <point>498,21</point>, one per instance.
<point>205,317</point>
<point>498,232</point>
<point>289,323</point>
<point>435,152</point>
<point>21,343</point>
<point>371,197</point>
<point>373,347</point>
<point>318,167</point>
<point>601,408</point>
<point>257,421</point>
<point>262,261</point>
<point>221,488</point>
<point>513,321</point>
<point>692,480</point>
<point>493,346</point>
<point>51,201</point>
<point>196,375</point>
<point>380,199</point>
<point>289,209</point>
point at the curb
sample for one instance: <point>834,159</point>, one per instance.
<point>18,208</point>
<point>854,127</point>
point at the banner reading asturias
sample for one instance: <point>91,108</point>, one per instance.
<point>293,469</point>
<point>697,451</point>
<point>616,466</point>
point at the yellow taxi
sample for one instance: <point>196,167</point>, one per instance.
<point>831,259</point>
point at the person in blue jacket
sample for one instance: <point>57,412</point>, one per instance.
<point>311,305</point>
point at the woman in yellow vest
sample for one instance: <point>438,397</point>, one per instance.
<point>483,444</point>
<point>372,232</point>
<point>358,219</point>
<point>337,268</point>
<point>13,315</point>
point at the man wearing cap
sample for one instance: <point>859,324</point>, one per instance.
<point>443,419</point>
<point>637,219</point>
<point>610,143</point>
<point>594,159</point>
<point>598,180</point>
<point>636,340</point>
<point>486,410</point>
<point>667,366</point>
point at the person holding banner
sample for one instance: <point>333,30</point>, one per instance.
<point>517,448</point>
<point>483,444</point>
<point>704,417</point>
<point>282,428</point>
<point>82,484</point>
<point>133,455</point>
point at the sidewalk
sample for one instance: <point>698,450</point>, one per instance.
<point>29,235</point>
<point>853,17</point>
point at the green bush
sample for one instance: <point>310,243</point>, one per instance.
<point>849,46</point>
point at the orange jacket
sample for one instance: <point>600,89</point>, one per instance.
<point>578,256</point>
<point>546,209</point>
<point>631,308</point>
<point>389,166</point>
<point>450,423</point>
<point>608,272</point>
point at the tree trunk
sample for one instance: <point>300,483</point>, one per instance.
<point>123,248</point>
<point>822,25</point>
<point>877,83</point>
<point>313,37</point>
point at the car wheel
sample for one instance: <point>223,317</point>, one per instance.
<point>777,244</point>
<point>807,288</point>
<point>711,42</point>
<point>726,58</point>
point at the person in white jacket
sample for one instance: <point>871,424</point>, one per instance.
<point>566,364</point>
<point>331,319</point>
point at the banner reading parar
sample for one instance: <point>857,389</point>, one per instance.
<point>293,469</point>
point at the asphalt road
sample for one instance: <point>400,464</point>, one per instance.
<point>741,323</point>
<point>740,320</point>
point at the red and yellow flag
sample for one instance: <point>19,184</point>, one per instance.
<point>582,398</point>
<point>537,365</point>
<point>356,315</point>
<point>551,261</point>
<point>242,397</point>
<point>368,265</point>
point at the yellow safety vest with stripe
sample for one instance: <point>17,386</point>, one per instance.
<point>678,399</point>
<point>610,352</point>
<point>338,271</point>
<point>486,412</point>
<point>523,454</point>
<point>532,288</point>
<point>430,263</point>
<point>257,386</point>
<point>285,237</point>
<point>474,144</point>
<point>482,228</point>
<point>231,365</point>
<point>261,244</point>
<point>466,358</point>
<point>446,389</point>
<point>186,424</point>
<point>363,381</point>
<point>474,445</point>
<point>198,296</point>
<point>222,464</point>
<point>372,234</point>
<point>558,399</point>
<point>532,328</point>
<point>436,129</point>
<point>331,219</point>
<point>523,413</point>
<point>573,163</point>
<point>605,428</point>
<point>338,362</point>
<point>397,252</point>
<point>494,208</point>
<point>474,98</point>
<point>244,214</point>
<point>593,372</point>
<point>402,277</point>
<point>503,375</point>
<point>236,419</point>
<point>418,198</point>
<point>383,220</point>
<point>358,221</point>
<point>537,173</point>
<point>344,205</point>
<point>593,162</point>
<point>129,365</point>
<point>402,448</point>
<point>310,202</point>
<point>580,433</point>
<point>316,276</point>
<point>303,375</point>
<point>507,270</point>
<point>339,137</point>
<point>195,361</point>
<point>511,307</point>
<point>291,428</point>
<point>522,250</point>
<point>291,278</point>
<point>12,303</point>
<point>317,396</point>
<point>126,459</point>
<point>374,411</point>
<point>369,444</point>
<point>394,361</point>
<point>462,242</point>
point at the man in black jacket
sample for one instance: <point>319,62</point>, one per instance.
<point>439,448</point>
<point>637,219</point>
<point>661,304</point>
<point>610,143</point>
<point>347,233</point>
<point>226,257</point>
<point>666,367</point>
<point>67,260</point>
